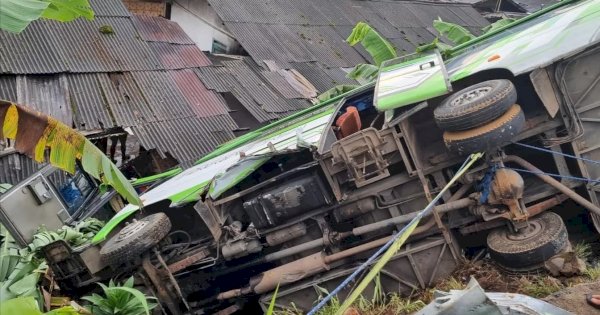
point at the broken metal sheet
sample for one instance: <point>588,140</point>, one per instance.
<point>235,174</point>
<point>474,300</point>
<point>91,108</point>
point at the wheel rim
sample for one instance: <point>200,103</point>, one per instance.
<point>471,95</point>
<point>533,229</point>
<point>131,229</point>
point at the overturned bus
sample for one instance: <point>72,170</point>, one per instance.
<point>302,201</point>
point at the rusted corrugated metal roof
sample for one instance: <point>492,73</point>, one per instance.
<point>281,84</point>
<point>157,29</point>
<point>204,103</point>
<point>218,79</point>
<point>47,94</point>
<point>315,75</point>
<point>8,88</point>
<point>92,111</point>
<point>175,56</point>
<point>16,167</point>
<point>159,91</point>
<point>124,99</point>
<point>30,51</point>
<point>185,138</point>
<point>315,30</point>
<point>109,8</point>
<point>103,45</point>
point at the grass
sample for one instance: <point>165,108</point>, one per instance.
<point>593,273</point>
<point>491,279</point>
<point>540,286</point>
<point>582,250</point>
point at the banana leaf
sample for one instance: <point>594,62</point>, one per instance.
<point>377,46</point>
<point>15,15</point>
<point>34,132</point>
<point>20,306</point>
<point>364,71</point>
<point>335,91</point>
<point>454,32</point>
<point>498,24</point>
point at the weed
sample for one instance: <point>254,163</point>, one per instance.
<point>593,273</point>
<point>582,250</point>
<point>399,305</point>
<point>539,287</point>
<point>450,284</point>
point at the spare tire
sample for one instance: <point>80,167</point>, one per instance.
<point>135,238</point>
<point>475,105</point>
<point>488,136</point>
<point>545,236</point>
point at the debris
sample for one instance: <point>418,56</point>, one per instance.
<point>474,300</point>
<point>566,264</point>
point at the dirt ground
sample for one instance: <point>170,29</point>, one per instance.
<point>572,299</point>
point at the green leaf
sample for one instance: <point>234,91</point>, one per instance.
<point>377,46</point>
<point>66,310</point>
<point>496,25</point>
<point>364,71</point>
<point>68,10</point>
<point>136,294</point>
<point>272,303</point>
<point>455,33</point>
<point>20,306</point>
<point>15,15</point>
<point>335,91</point>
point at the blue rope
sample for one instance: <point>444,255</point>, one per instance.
<point>389,243</point>
<point>486,184</point>
<point>557,153</point>
<point>583,179</point>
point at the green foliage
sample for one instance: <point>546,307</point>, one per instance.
<point>364,71</point>
<point>20,269</point>
<point>496,25</point>
<point>336,91</point>
<point>21,306</point>
<point>399,305</point>
<point>68,10</point>
<point>66,310</point>
<point>272,303</point>
<point>455,33</point>
<point>540,287</point>
<point>120,300</point>
<point>593,273</point>
<point>15,15</point>
<point>377,46</point>
<point>582,250</point>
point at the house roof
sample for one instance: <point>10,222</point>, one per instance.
<point>135,72</point>
<point>291,32</point>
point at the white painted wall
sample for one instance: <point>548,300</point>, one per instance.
<point>202,24</point>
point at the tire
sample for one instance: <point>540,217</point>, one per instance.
<point>475,105</point>
<point>488,136</point>
<point>546,237</point>
<point>135,239</point>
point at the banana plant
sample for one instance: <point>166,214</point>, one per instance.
<point>376,45</point>
<point>15,15</point>
<point>35,132</point>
